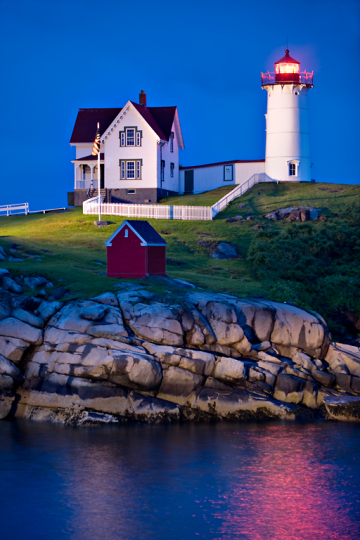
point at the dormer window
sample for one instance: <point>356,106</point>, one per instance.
<point>131,136</point>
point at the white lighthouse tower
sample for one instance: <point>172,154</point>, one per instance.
<point>287,126</point>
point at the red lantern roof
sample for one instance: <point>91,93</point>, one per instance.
<point>287,59</point>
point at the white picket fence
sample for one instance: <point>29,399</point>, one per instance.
<point>163,211</point>
<point>151,211</point>
<point>14,209</point>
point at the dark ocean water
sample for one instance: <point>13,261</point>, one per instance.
<point>225,481</point>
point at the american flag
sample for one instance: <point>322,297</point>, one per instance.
<point>96,147</point>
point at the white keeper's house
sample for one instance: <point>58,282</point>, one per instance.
<point>139,146</point>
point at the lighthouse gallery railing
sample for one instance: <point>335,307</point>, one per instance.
<point>303,78</point>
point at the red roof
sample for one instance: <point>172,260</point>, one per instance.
<point>90,158</point>
<point>142,229</point>
<point>160,119</point>
<point>224,163</point>
<point>85,126</point>
<point>287,59</point>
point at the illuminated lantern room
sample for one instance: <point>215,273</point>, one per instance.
<point>287,70</point>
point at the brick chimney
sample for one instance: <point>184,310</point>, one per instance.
<point>142,98</point>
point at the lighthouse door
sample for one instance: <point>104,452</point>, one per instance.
<point>189,181</point>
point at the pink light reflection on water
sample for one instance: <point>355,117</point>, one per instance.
<point>283,491</point>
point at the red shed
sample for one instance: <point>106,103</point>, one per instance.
<point>135,250</point>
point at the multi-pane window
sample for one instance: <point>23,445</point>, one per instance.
<point>130,137</point>
<point>130,169</point>
<point>172,166</point>
<point>172,142</point>
<point>292,169</point>
<point>162,169</point>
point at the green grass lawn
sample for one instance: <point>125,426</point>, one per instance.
<point>73,253</point>
<point>203,199</point>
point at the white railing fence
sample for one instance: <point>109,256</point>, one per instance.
<point>151,211</point>
<point>238,191</point>
<point>163,211</point>
<point>13,209</point>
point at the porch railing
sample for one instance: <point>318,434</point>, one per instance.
<point>86,184</point>
<point>13,209</point>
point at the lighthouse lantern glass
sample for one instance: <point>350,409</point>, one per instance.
<point>287,68</point>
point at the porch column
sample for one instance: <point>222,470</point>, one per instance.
<point>92,175</point>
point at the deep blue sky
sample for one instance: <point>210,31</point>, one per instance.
<point>204,56</point>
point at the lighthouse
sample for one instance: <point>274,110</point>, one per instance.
<point>287,156</point>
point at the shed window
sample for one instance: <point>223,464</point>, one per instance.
<point>126,233</point>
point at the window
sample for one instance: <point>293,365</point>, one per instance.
<point>130,191</point>
<point>292,169</point>
<point>130,137</point>
<point>130,169</point>
<point>162,169</point>
<point>126,233</point>
<point>172,142</point>
<point>172,166</point>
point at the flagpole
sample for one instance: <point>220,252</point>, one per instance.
<point>99,178</point>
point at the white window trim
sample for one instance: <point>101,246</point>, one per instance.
<point>130,170</point>
<point>127,130</point>
<point>295,162</point>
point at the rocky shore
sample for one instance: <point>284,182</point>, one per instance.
<point>181,354</point>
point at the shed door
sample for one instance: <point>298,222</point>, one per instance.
<point>189,181</point>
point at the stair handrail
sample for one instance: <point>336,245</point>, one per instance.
<point>238,191</point>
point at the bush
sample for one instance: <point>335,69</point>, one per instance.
<point>316,268</point>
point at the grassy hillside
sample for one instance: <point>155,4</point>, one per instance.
<point>69,250</point>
